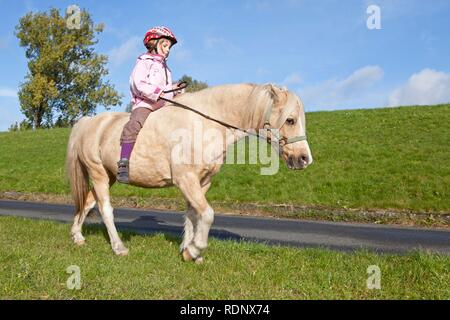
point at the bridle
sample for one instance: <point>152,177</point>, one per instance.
<point>271,133</point>
<point>282,140</point>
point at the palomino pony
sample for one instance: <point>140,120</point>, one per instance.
<point>93,152</point>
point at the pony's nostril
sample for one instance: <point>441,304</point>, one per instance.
<point>304,158</point>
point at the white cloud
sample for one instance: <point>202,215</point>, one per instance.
<point>292,79</point>
<point>8,92</point>
<point>361,79</point>
<point>211,42</point>
<point>118,32</point>
<point>424,88</point>
<point>352,91</point>
<point>130,49</point>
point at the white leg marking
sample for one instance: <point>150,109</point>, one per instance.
<point>189,228</point>
<point>77,236</point>
<point>205,220</point>
<point>108,219</point>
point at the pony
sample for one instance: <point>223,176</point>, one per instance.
<point>93,151</point>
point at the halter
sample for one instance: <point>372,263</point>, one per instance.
<point>282,140</point>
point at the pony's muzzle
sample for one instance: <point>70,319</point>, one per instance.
<point>299,162</point>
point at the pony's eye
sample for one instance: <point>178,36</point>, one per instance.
<point>290,121</point>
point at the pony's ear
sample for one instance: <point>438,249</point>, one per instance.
<point>273,92</point>
<point>277,94</point>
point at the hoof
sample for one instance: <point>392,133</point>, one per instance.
<point>78,239</point>
<point>199,260</point>
<point>187,256</point>
<point>80,243</point>
<point>121,251</point>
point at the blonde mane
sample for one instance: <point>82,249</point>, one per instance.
<point>248,102</point>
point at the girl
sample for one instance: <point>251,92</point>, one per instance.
<point>148,81</point>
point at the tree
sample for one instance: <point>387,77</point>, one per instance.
<point>65,77</point>
<point>194,85</point>
<point>22,126</point>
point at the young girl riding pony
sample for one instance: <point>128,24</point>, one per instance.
<point>148,81</point>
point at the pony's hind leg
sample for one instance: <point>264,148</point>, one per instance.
<point>77,236</point>
<point>101,182</point>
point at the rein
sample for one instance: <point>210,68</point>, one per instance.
<point>282,140</point>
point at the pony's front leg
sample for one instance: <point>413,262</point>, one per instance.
<point>204,217</point>
<point>190,223</point>
<point>204,222</point>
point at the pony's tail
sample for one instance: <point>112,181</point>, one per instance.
<point>76,171</point>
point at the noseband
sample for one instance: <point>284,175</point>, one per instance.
<point>282,140</point>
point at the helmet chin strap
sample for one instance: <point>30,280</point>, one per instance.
<point>157,52</point>
<point>155,49</point>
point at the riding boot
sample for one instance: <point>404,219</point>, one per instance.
<point>124,164</point>
<point>122,172</point>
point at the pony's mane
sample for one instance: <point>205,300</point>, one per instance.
<point>252,100</point>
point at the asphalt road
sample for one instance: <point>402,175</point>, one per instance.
<point>337,236</point>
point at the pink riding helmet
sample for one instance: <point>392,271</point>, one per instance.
<point>158,33</point>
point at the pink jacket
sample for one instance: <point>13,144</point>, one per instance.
<point>150,77</point>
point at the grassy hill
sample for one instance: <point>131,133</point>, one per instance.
<point>389,159</point>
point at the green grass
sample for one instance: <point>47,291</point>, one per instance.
<point>395,158</point>
<point>34,257</point>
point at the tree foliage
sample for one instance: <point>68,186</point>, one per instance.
<point>65,75</point>
<point>194,85</point>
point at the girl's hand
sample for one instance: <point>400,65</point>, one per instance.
<point>180,86</point>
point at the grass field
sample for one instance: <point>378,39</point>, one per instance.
<point>35,255</point>
<point>390,159</point>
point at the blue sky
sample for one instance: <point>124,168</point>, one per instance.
<point>322,50</point>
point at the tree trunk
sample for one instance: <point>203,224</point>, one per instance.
<point>38,118</point>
